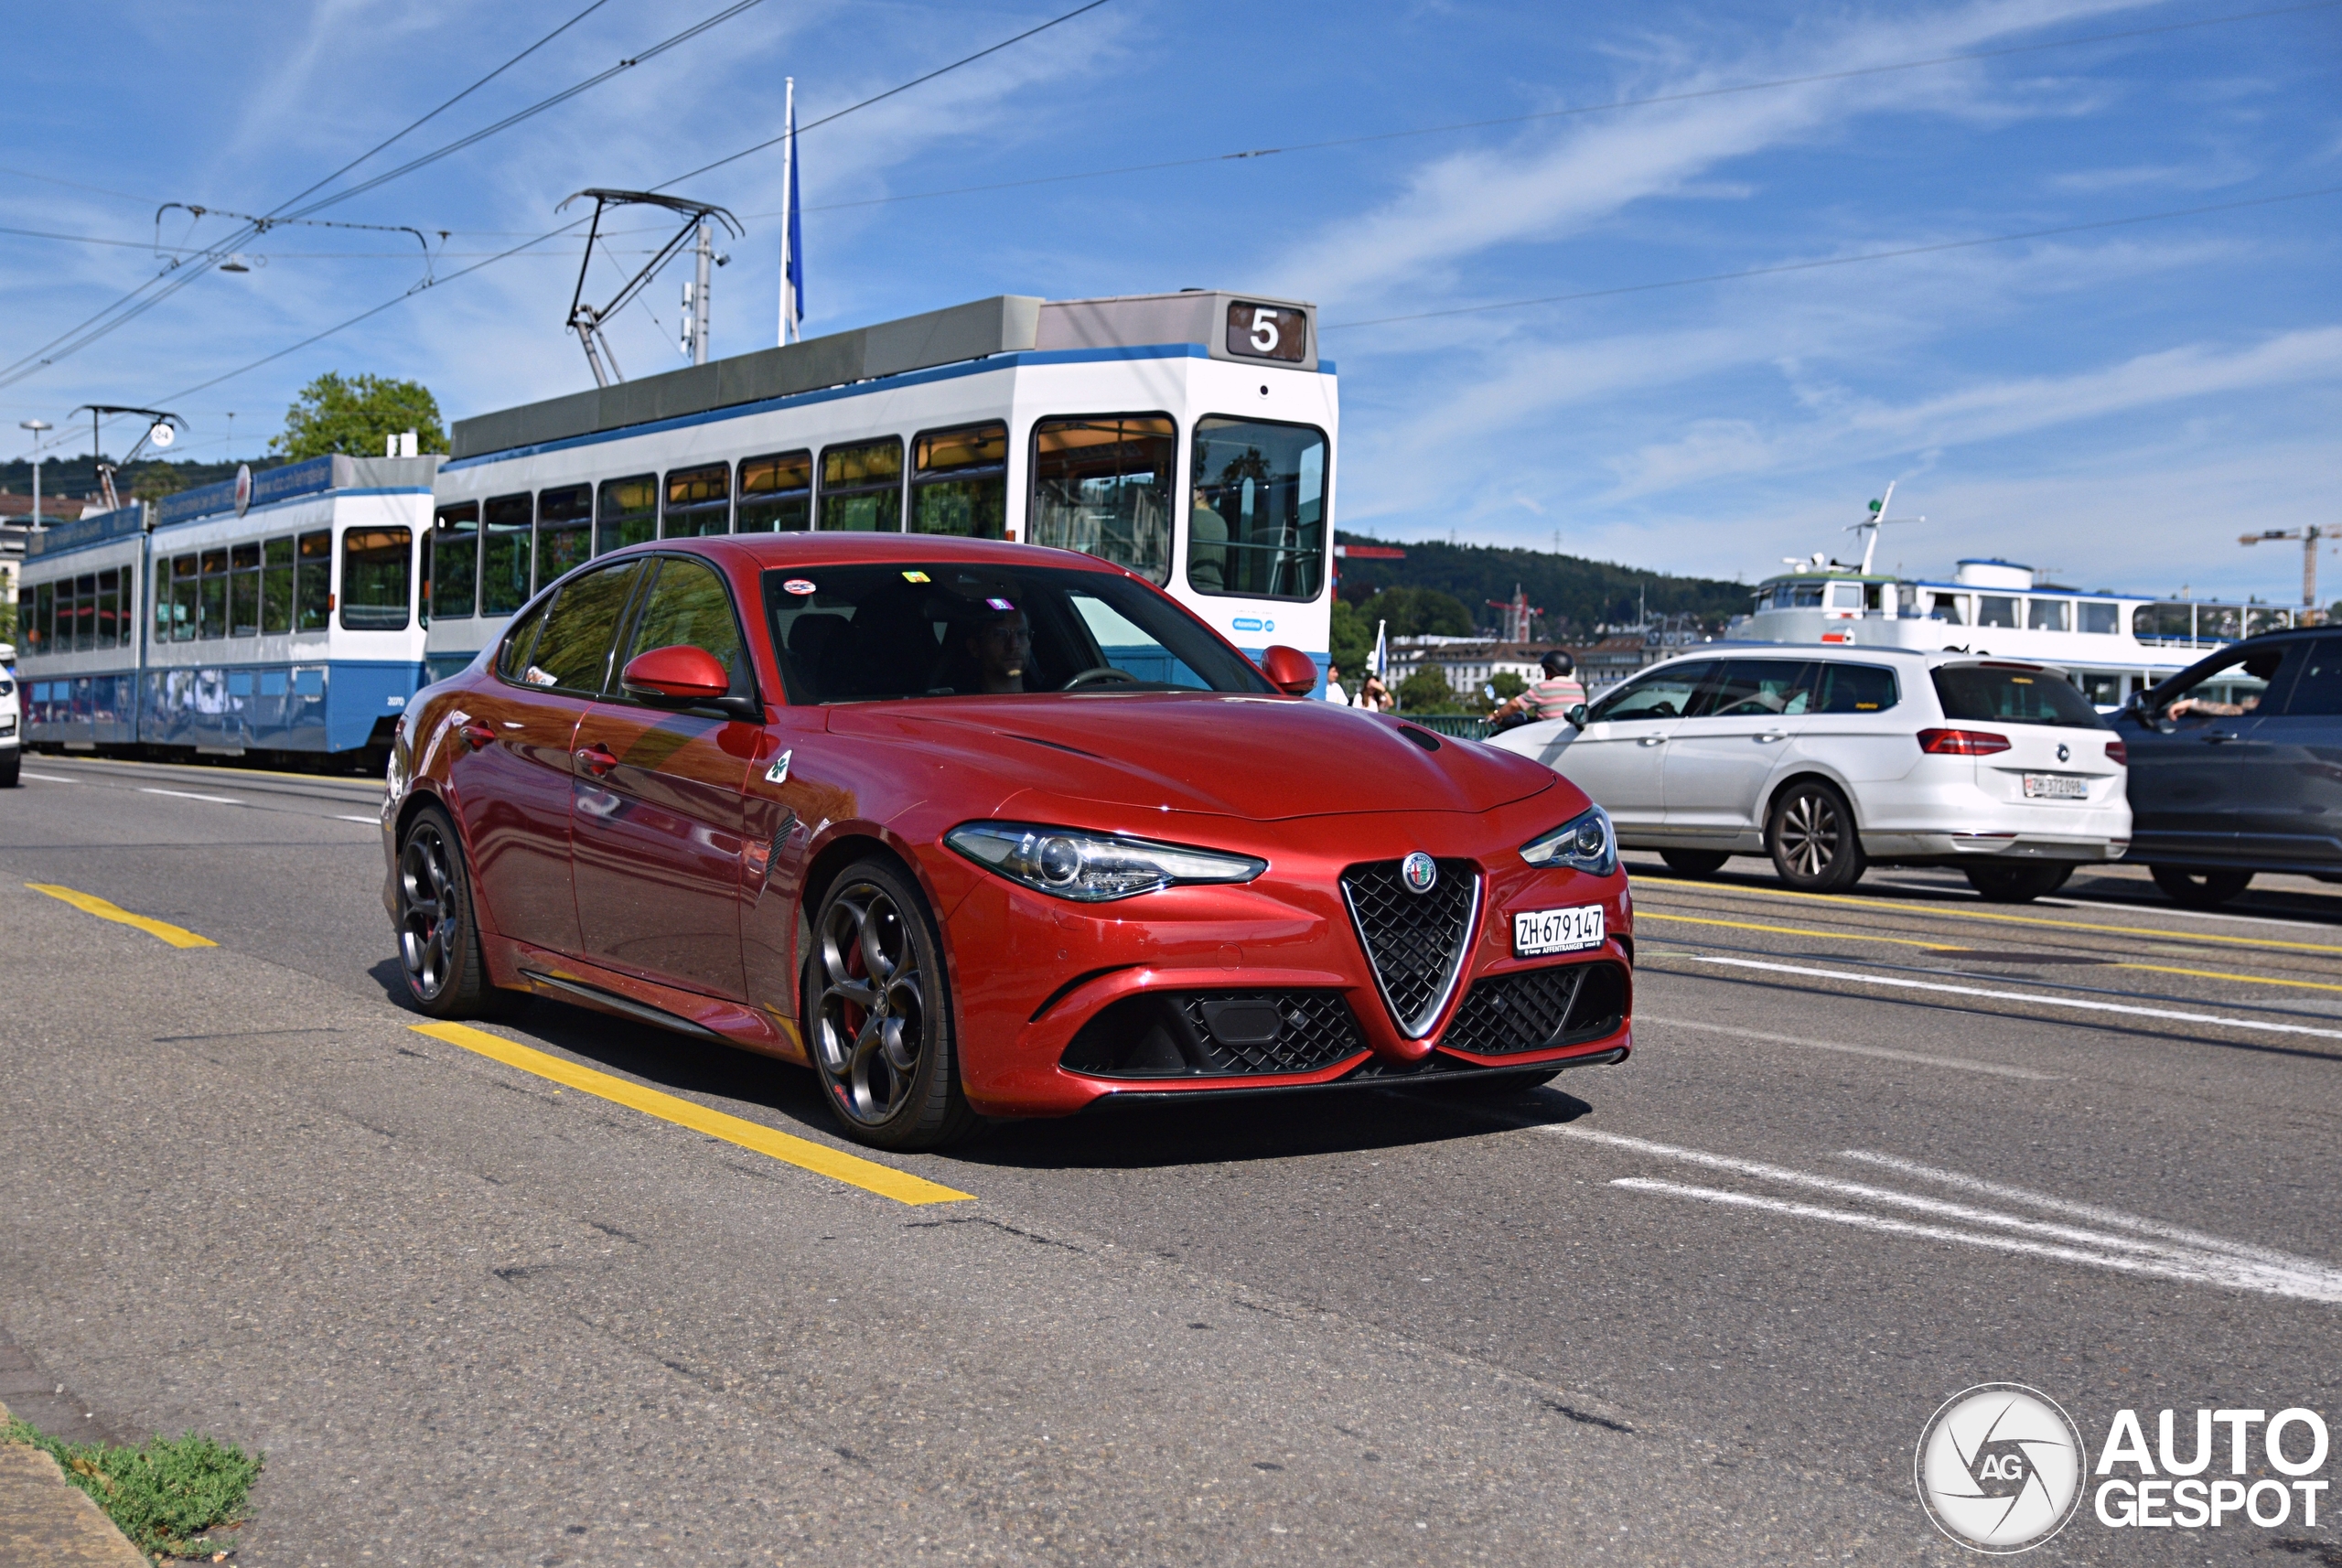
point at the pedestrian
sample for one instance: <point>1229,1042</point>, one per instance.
<point>1374,696</point>
<point>1550,698</point>
<point>1334,693</point>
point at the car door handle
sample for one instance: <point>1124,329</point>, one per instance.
<point>1650,740</point>
<point>475,736</point>
<point>1772,734</point>
<point>596,759</point>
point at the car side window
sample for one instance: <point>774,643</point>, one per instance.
<point>519,642</point>
<point>1853,688</point>
<point>2235,687</point>
<point>1762,687</point>
<point>573,651</point>
<point>689,605</point>
<point>2316,692</point>
<point>1661,694</point>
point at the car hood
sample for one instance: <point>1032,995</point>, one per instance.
<point>1260,759</point>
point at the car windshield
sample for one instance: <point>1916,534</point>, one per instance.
<point>911,629</point>
<point>2013,695</point>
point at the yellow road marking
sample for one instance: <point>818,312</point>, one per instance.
<point>1954,952</point>
<point>1936,909</point>
<point>90,904</point>
<point>803,1153</point>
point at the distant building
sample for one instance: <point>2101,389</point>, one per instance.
<point>53,509</point>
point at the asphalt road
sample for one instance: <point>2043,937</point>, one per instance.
<point>1695,1308</point>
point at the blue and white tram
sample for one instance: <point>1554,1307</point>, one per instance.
<point>1187,436</point>
<point>275,615</point>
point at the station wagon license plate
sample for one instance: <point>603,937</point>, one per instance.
<point>2056,787</point>
<point>1542,931</point>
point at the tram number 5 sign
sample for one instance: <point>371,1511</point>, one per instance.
<point>1267,331</point>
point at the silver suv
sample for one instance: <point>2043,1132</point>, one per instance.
<point>1829,759</point>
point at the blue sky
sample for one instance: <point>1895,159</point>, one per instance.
<point>2116,404</point>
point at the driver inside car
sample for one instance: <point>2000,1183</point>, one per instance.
<point>1000,647</point>
<point>2259,667</point>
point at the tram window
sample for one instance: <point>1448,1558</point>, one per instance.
<point>1256,525</point>
<point>2045,615</point>
<point>1101,485</point>
<point>376,566</point>
<point>573,653</point>
<point>699,502</point>
<point>313,583</point>
<point>85,605</point>
<point>960,482</point>
<point>243,590</point>
<point>513,657</point>
<point>454,574</point>
<point>212,621</point>
<point>777,493</point>
<point>861,487</point>
<point>1993,610</point>
<point>2101,620</point>
<point>504,555</point>
<point>109,609</point>
<point>183,598</point>
<point>36,636</point>
<point>276,586</point>
<point>627,514</point>
<point>565,531</point>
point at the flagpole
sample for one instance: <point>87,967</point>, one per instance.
<point>787,215</point>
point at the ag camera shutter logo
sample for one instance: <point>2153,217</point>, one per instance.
<point>2000,1468</point>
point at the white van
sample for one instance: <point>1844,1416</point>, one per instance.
<point>12,718</point>
<point>1831,759</point>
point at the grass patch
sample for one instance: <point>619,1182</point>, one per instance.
<point>166,1495</point>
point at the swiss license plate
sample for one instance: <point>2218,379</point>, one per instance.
<point>2056,787</point>
<point>1543,931</point>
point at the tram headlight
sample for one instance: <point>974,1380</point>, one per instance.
<point>1092,868</point>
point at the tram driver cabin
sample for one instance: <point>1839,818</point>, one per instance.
<point>1189,437</point>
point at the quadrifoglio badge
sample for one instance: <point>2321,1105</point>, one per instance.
<point>2002,1467</point>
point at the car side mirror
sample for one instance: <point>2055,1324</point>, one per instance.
<point>679,676</point>
<point>1576,715</point>
<point>1290,671</point>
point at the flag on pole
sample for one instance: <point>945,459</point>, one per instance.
<point>1381,649</point>
<point>792,232</point>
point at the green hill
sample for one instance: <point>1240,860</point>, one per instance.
<point>1575,595</point>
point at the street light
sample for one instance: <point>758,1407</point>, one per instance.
<point>36,426</point>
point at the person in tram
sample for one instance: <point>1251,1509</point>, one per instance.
<point>1207,546</point>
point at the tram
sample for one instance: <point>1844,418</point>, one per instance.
<point>1187,436</point>
<point>275,615</point>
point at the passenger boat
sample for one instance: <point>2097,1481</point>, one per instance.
<point>2112,643</point>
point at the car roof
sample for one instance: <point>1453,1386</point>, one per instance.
<point>783,550</point>
<point>1853,653</point>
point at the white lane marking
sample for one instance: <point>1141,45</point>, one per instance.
<point>48,778</point>
<point>2073,1002</point>
<point>2178,1253</point>
<point>2090,1212</point>
<point>369,821</point>
<point>1960,1064</point>
<point>2210,1271</point>
<point>189,795</point>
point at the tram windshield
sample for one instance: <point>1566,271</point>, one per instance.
<point>917,629</point>
<point>1256,523</point>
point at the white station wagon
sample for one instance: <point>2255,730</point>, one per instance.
<point>1830,759</point>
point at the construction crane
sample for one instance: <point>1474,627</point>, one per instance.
<point>1518,613</point>
<point>2309,538</point>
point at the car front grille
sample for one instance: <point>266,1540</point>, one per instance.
<point>1539,1009</point>
<point>1191,1034</point>
<point>1415,941</point>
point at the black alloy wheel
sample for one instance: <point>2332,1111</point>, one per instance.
<point>1811,835</point>
<point>438,939</point>
<point>2199,889</point>
<point>1694,862</point>
<point>881,1034</point>
<point>2018,884</point>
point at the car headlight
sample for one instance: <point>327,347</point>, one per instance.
<point>1584,843</point>
<point>1091,869</point>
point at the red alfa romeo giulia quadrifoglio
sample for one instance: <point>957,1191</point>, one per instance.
<point>976,828</point>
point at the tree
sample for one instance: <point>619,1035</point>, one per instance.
<point>352,414</point>
<point>155,480</point>
<point>1417,612</point>
<point>1352,642</point>
<point>1508,685</point>
<point>1427,691</point>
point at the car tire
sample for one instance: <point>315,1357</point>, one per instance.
<point>1809,832</point>
<point>1694,862</point>
<point>11,761</point>
<point>879,1014</point>
<point>2018,884</point>
<point>2199,889</point>
<point>440,951</point>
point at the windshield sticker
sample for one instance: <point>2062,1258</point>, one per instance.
<point>1000,604</point>
<point>798,585</point>
<point>914,577</point>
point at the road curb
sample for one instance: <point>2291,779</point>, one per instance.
<point>45,1521</point>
